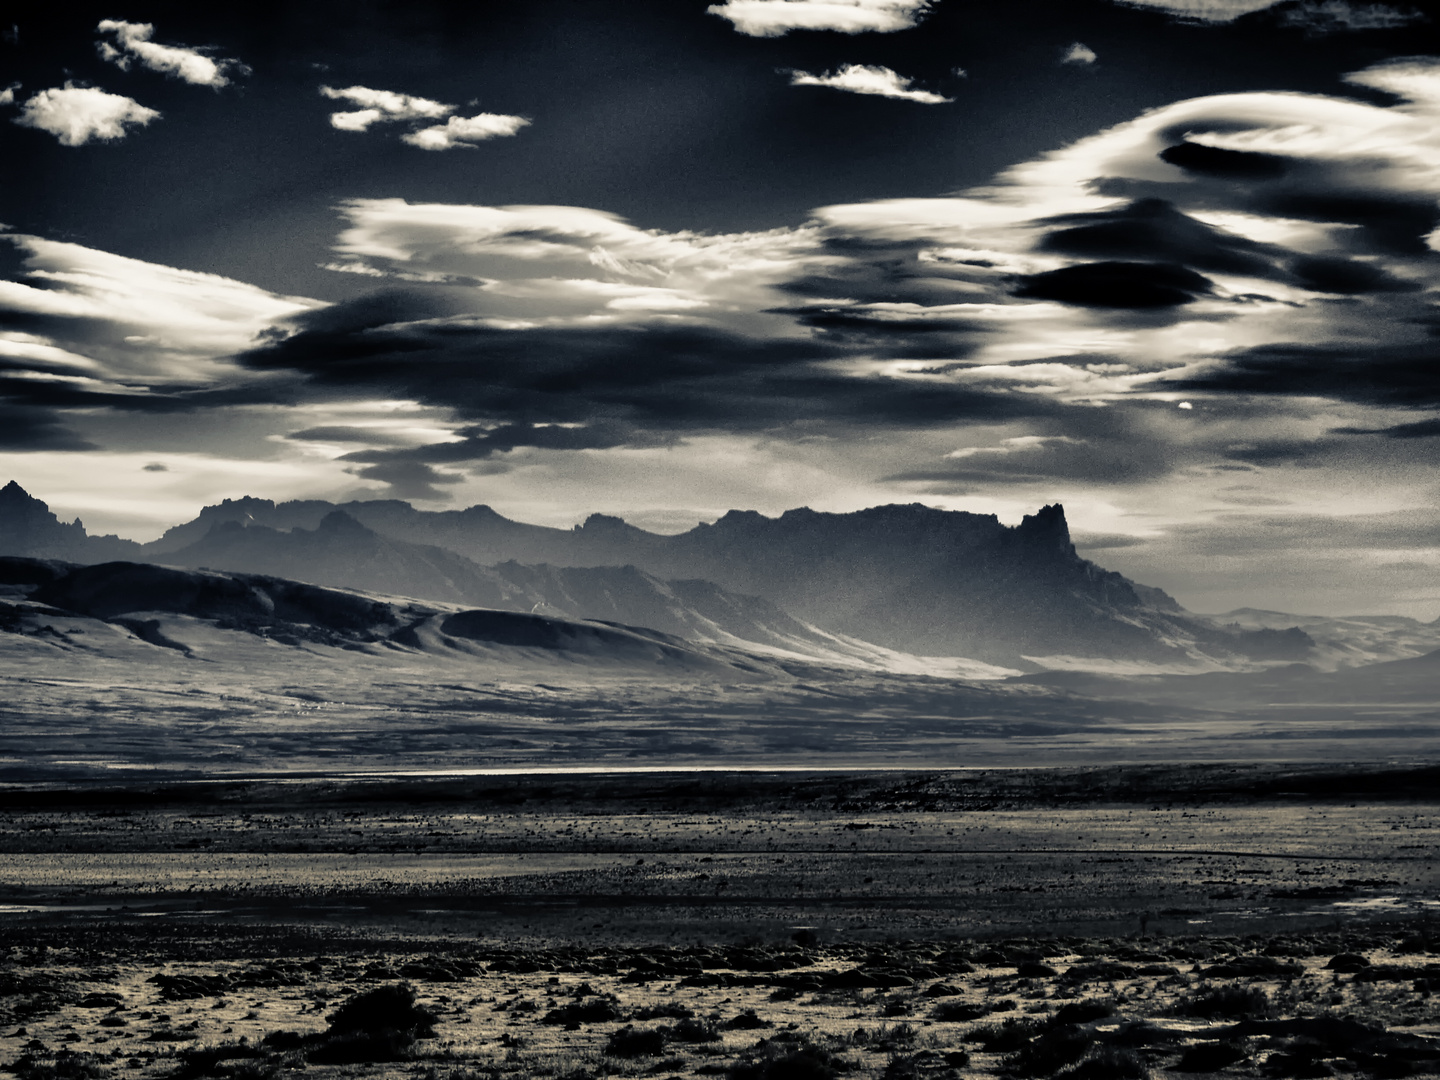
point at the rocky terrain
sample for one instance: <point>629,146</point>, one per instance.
<point>1110,923</point>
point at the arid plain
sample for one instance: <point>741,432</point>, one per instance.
<point>1104,922</point>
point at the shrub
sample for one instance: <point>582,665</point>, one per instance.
<point>959,1011</point>
<point>1050,1051</point>
<point>67,1065</point>
<point>384,1009</point>
<point>376,1026</point>
<point>595,1010</point>
<point>1210,1057</point>
<point>1082,1012</point>
<point>1108,1063</point>
<point>691,1030</point>
<point>668,1011</point>
<point>627,1042</point>
<point>787,1059</point>
<point>746,1021</point>
<point>205,1060</point>
<point>1007,1037</point>
<point>1232,1002</point>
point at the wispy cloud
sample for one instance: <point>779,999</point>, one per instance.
<point>381,106</point>
<point>7,96</point>
<point>869,79</point>
<point>1338,16</point>
<point>1079,53</point>
<point>131,43</point>
<point>774,18</point>
<point>464,131</point>
<point>1213,11</point>
<point>77,115</point>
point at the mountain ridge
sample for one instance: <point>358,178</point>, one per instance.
<point>908,578</point>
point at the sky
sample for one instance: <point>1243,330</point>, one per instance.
<point>1171,263</point>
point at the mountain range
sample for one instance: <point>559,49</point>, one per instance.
<point>878,587</point>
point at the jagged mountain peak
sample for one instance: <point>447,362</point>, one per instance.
<point>339,522</point>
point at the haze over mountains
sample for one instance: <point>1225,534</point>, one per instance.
<point>873,587</point>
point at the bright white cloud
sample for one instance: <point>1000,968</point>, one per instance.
<point>137,320</point>
<point>131,43</point>
<point>381,106</point>
<point>7,96</point>
<point>773,18</point>
<point>869,79</point>
<point>77,115</point>
<point>464,131</point>
<point>1079,53</point>
<point>573,264</point>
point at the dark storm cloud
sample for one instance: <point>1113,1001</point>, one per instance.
<point>1114,284</point>
<point>601,387</point>
<point>35,393</point>
<point>410,480</point>
<point>1152,229</point>
<point>1417,429</point>
<point>1333,274</point>
<point>25,428</point>
<point>345,433</point>
<point>1215,161</point>
<point>1407,376</point>
<point>1390,224</point>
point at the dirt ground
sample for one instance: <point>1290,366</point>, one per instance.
<point>1082,923</point>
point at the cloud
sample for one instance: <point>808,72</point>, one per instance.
<point>1338,16</point>
<point>77,115</point>
<point>7,96</point>
<point>155,466</point>
<point>774,18</point>
<point>1216,11</point>
<point>869,79</point>
<point>1079,53</point>
<point>410,480</point>
<point>388,107</point>
<point>589,387</point>
<point>546,265</point>
<point>462,131</point>
<point>380,106</point>
<point>132,43</point>
<point>133,321</point>
<point>1118,285</point>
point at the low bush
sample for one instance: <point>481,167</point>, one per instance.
<point>1007,1037</point>
<point>691,1030</point>
<point>1050,1051</point>
<point>1107,1063</point>
<point>794,1058</point>
<point>1231,1002</point>
<point>384,1009</point>
<point>66,1065</point>
<point>379,1025</point>
<point>595,1010</point>
<point>959,1011</point>
<point>1211,1057</point>
<point>1083,1012</point>
<point>630,1042</point>
<point>670,1010</point>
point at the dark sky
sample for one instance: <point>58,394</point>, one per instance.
<point>655,262</point>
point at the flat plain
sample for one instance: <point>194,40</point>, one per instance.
<point>1096,921</point>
